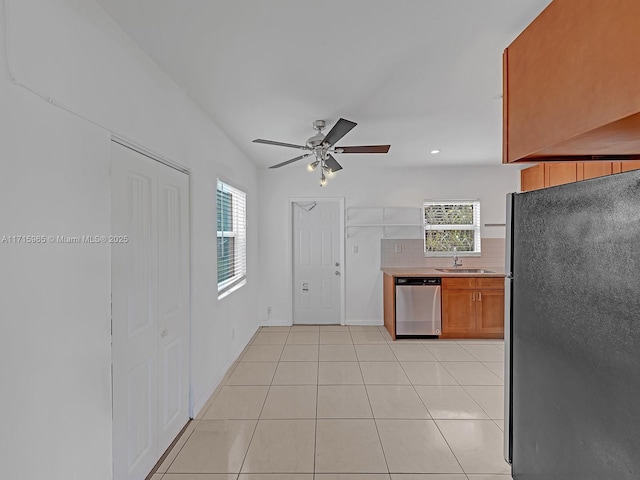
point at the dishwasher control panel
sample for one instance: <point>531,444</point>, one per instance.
<point>418,281</point>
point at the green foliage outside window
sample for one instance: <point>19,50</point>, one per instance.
<point>453,224</point>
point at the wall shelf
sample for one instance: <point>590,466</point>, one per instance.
<point>385,218</point>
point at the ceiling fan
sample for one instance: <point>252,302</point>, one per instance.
<point>324,146</point>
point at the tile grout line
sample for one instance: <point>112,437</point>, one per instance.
<point>315,436</point>
<point>244,459</point>
<point>375,423</point>
<point>478,403</point>
<point>414,387</point>
<point>209,404</point>
<point>445,438</point>
<point>433,420</point>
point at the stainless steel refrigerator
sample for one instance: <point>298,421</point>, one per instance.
<point>572,331</point>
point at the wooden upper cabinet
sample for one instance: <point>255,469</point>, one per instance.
<point>625,166</point>
<point>557,173</point>
<point>571,84</point>
<point>589,170</point>
<point>560,173</point>
<point>532,178</point>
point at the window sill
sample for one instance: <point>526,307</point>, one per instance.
<point>232,289</point>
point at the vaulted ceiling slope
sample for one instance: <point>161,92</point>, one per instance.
<point>416,74</point>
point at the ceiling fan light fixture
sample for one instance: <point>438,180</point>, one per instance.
<point>324,146</point>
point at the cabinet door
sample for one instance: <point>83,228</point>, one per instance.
<point>458,313</point>
<point>490,313</point>
<point>588,47</point>
<point>532,178</point>
<point>589,170</point>
<point>628,166</point>
<point>560,173</point>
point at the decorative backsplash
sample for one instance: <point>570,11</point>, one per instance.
<point>398,252</point>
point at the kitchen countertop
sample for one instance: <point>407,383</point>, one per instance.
<point>432,272</point>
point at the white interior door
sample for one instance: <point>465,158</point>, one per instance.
<point>150,310</point>
<point>317,265</point>
<point>173,304</point>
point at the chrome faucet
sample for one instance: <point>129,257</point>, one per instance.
<point>455,258</point>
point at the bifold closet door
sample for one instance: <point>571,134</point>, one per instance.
<point>150,309</point>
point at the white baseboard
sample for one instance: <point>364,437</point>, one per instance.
<point>365,322</point>
<point>285,323</point>
<point>276,323</point>
<point>201,402</point>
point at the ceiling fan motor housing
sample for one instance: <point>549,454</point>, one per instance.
<point>318,138</point>
<point>315,141</point>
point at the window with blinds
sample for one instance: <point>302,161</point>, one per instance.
<point>449,224</point>
<point>232,237</point>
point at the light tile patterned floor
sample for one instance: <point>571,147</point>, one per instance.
<point>347,403</point>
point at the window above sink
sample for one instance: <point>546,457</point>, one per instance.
<point>449,224</point>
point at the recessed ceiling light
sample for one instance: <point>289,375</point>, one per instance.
<point>434,152</point>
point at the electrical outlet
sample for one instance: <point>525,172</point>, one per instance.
<point>398,248</point>
<point>355,249</point>
<point>269,310</point>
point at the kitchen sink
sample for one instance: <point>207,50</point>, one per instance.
<point>464,270</point>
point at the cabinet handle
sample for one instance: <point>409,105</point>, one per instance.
<point>479,296</point>
<point>473,296</point>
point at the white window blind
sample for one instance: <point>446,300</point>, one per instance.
<point>452,223</point>
<point>232,237</point>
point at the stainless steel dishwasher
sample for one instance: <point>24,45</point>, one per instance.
<point>418,306</point>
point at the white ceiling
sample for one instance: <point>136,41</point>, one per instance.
<point>418,74</point>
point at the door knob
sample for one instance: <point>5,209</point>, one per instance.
<point>337,264</point>
<point>337,272</point>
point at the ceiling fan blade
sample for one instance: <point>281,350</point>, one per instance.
<point>280,144</point>
<point>332,163</point>
<point>339,130</point>
<point>290,161</point>
<point>364,149</point>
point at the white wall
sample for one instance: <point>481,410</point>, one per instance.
<point>376,187</point>
<point>55,354</point>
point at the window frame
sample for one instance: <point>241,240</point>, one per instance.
<point>238,207</point>
<point>475,227</point>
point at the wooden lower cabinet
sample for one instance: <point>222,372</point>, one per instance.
<point>458,313</point>
<point>472,307</point>
<point>490,312</point>
<point>389,303</point>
